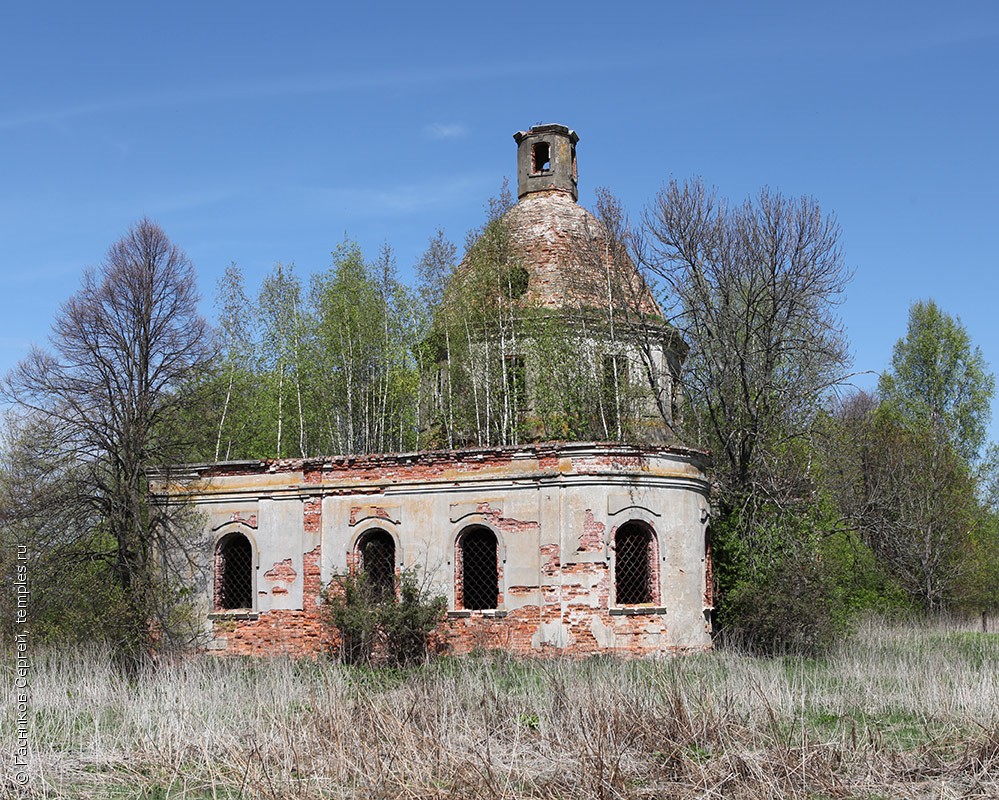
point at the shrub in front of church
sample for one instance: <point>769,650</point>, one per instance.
<point>375,625</point>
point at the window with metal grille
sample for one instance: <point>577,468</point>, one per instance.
<point>377,559</point>
<point>234,573</point>
<point>479,569</point>
<point>635,567</point>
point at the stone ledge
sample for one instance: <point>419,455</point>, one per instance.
<point>636,611</point>
<point>222,616</point>
<point>463,613</point>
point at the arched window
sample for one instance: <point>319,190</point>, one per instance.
<point>478,569</point>
<point>233,573</point>
<point>636,572</point>
<point>376,551</point>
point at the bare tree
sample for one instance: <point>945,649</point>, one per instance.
<point>752,290</point>
<point>109,393</point>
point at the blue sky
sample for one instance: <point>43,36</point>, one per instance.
<point>258,132</point>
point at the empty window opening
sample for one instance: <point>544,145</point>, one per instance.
<point>541,157</point>
<point>613,381</point>
<point>515,280</point>
<point>377,559</point>
<point>479,569</point>
<point>635,565</point>
<point>234,573</point>
<point>575,173</point>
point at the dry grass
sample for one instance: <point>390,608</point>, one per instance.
<point>896,712</point>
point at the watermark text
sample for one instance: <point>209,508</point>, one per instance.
<point>22,594</point>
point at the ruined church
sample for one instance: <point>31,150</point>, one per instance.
<point>577,548</point>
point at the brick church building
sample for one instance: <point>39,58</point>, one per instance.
<point>545,547</point>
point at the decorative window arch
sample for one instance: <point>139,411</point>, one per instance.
<point>233,573</point>
<point>476,569</point>
<point>636,565</point>
<point>376,557</point>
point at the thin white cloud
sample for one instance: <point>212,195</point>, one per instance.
<point>403,199</point>
<point>445,130</point>
<point>51,116</point>
<point>279,87</point>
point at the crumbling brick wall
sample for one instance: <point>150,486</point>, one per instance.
<point>555,543</point>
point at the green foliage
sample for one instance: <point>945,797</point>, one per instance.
<point>939,379</point>
<point>372,626</point>
<point>364,373</point>
<point>930,493</point>
<point>752,289</point>
<point>323,369</point>
<point>864,584</point>
<point>793,608</point>
<point>355,362</point>
<point>283,359</point>
<point>979,588</point>
<point>514,281</point>
<point>911,497</point>
<point>508,369</point>
<point>794,584</point>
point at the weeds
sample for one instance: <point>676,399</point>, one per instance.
<point>898,712</point>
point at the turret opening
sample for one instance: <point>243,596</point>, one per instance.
<point>541,160</point>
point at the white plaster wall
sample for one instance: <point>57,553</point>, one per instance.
<point>528,508</point>
<point>280,537</point>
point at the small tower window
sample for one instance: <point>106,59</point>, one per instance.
<point>541,160</point>
<point>234,573</point>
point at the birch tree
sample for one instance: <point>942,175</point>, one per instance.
<point>236,324</point>
<point>280,307</point>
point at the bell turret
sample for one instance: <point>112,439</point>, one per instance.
<point>546,160</point>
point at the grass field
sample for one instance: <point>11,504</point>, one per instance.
<point>895,712</point>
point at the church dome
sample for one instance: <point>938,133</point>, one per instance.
<point>563,250</point>
<point>569,262</point>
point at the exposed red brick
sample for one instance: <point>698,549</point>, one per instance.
<point>592,539</point>
<point>281,571</point>
<point>550,561</point>
<point>313,514</point>
<point>374,511</point>
<point>506,524</point>
<point>709,587</point>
